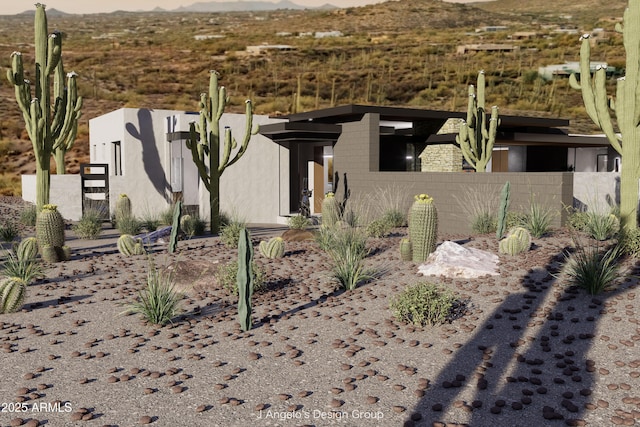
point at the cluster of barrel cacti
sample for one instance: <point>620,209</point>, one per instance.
<point>272,248</point>
<point>129,245</point>
<point>517,241</point>
<point>423,227</point>
<point>244,279</point>
<point>50,235</point>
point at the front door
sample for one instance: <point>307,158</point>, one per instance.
<point>500,161</point>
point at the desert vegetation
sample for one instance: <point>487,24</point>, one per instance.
<point>400,53</point>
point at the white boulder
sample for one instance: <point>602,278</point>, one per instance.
<point>453,260</point>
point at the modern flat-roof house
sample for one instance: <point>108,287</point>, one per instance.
<point>376,146</point>
<point>146,157</point>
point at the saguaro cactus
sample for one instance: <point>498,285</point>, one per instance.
<point>245,279</point>
<point>204,143</point>
<point>475,138</point>
<point>50,125</point>
<point>626,107</point>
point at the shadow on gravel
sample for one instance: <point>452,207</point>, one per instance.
<point>506,372</point>
<point>56,301</point>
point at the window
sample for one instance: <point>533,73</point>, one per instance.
<point>116,152</point>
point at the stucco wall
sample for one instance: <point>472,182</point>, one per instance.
<point>65,192</point>
<point>255,187</point>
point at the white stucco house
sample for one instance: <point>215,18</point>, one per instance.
<point>154,171</point>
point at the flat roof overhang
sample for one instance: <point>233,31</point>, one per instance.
<point>285,133</point>
<point>540,139</point>
<point>324,126</point>
<point>354,112</point>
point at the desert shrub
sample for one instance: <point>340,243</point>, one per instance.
<point>391,204</point>
<point>593,268</point>
<point>484,222</point>
<point>89,226</point>
<point>226,276</point>
<point>129,225</point>
<point>423,304</point>
<point>341,237</point>
<point>28,216</point>
<point>479,205</point>
<point>166,216</point>
<point>298,222</point>
<point>347,249</point>
<point>151,221</point>
<point>395,218</point>
<point>9,231</point>
<point>629,241</point>
<point>159,301</point>
<point>577,220</point>
<point>538,220</point>
<point>515,219</point>
<point>379,228</point>
<point>192,225</point>
<point>602,226</point>
<point>230,233</point>
<point>25,269</point>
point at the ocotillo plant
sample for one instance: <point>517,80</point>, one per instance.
<point>205,139</point>
<point>626,107</point>
<point>475,138</point>
<point>49,124</point>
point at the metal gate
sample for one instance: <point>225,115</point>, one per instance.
<point>94,179</point>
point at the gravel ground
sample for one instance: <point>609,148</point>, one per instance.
<point>529,351</point>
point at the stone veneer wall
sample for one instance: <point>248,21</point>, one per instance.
<point>441,158</point>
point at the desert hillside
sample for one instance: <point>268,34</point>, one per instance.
<point>400,53</point>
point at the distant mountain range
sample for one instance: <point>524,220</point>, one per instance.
<point>214,6</point>
<point>243,6</point>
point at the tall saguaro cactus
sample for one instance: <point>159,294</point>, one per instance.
<point>626,107</point>
<point>475,138</point>
<point>51,124</point>
<point>205,142</point>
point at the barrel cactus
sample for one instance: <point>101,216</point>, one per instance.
<point>27,249</point>
<point>517,241</point>
<point>129,245</point>
<point>53,254</point>
<point>123,207</point>
<point>406,252</point>
<point>273,248</point>
<point>330,210</point>
<point>423,227</point>
<point>50,235</point>
<point>13,291</point>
